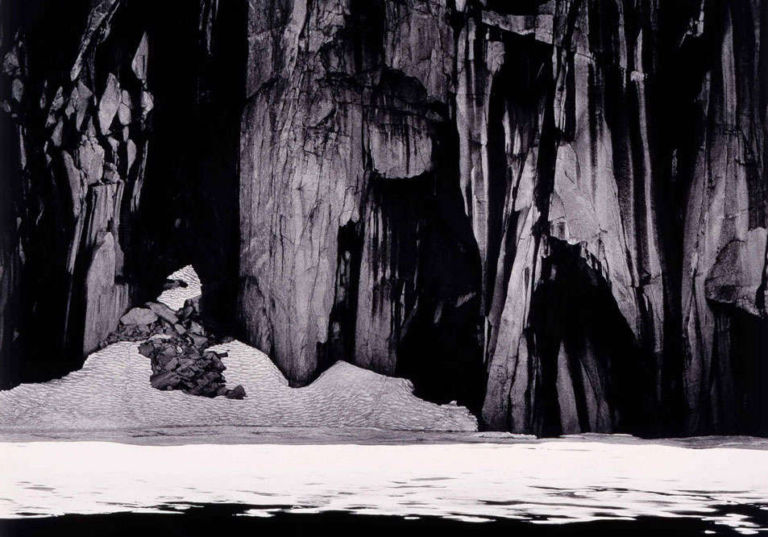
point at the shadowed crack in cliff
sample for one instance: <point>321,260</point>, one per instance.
<point>591,374</point>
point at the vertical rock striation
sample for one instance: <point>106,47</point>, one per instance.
<point>85,235</point>
<point>353,241</point>
<point>553,212</point>
<point>721,162</point>
<point>80,116</point>
<point>519,171</point>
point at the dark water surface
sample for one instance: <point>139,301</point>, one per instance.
<point>227,519</point>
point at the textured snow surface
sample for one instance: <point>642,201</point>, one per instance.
<point>112,390</point>
<point>560,481</point>
<point>175,298</point>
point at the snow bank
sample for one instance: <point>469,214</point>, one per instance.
<point>175,298</point>
<point>112,390</point>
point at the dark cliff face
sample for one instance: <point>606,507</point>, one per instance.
<point>99,97</point>
<point>552,212</point>
<point>75,143</point>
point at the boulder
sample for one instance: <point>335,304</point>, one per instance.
<point>198,341</point>
<point>164,312</point>
<point>141,316</point>
<point>238,392</point>
<point>173,284</point>
<point>167,380</point>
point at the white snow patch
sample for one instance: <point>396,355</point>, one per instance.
<point>175,298</point>
<point>112,390</point>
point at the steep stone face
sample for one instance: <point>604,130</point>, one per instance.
<point>349,195</point>
<point>567,151</point>
<point>81,242</point>
<point>594,306</point>
<point>553,212</point>
<point>74,184</point>
<point>723,276</point>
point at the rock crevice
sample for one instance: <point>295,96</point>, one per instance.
<point>553,212</point>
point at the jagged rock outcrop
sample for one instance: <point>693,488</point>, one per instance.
<point>553,212</point>
<point>84,236</point>
<point>75,184</point>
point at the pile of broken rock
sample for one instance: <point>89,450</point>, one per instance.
<point>176,343</point>
<point>178,365</point>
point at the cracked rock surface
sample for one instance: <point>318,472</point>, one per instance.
<point>552,212</point>
<point>554,147</point>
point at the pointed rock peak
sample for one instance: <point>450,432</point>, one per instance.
<point>97,29</point>
<point>139,63</point>
<point>110,101</point>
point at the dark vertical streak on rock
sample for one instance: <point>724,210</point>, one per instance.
<point>553,212</point>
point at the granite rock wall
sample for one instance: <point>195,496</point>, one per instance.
<point>553,212</point>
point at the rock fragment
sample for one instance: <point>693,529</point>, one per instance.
<point>124,109</point>
<point>91,157</point>
<point>147,104</point>
<point>17,90</point>
<point>238,392</point>
<point>11,64</point>
<point>77,106</point>
<point>75,182</point>
<point>139,63</point>
<point>141,316</point>
<point>109,103</point>
<point>56,104</point>
<point>164,312</point>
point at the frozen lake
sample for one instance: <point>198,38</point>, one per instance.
<point>469,477</point>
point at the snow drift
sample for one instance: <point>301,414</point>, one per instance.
<point>113,390</point>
